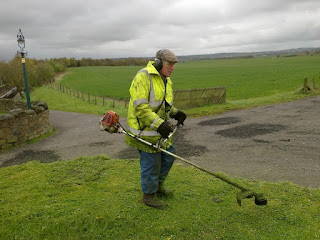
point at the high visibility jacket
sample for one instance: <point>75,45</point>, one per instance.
<point>151,99</point>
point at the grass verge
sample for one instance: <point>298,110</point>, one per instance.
<point>99,198</point>
<point>64,102</point>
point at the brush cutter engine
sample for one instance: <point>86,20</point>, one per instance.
<point>110,123</point>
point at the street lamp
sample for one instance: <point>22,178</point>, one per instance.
<point>22,44</point>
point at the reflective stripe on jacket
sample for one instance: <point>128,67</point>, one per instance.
<point>147,109</point>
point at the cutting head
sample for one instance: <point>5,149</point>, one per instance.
<point>258,198</point>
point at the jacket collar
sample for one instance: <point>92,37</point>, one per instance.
<point>151,69</point>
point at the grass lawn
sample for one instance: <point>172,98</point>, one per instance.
<point>99,198</point>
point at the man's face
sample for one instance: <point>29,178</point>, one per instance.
<point>167,68</point>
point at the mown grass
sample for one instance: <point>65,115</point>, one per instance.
<point>113,81</point>
<point>243,78</point>
<point>99,198</point>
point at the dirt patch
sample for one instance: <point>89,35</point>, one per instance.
<point>58,77</point>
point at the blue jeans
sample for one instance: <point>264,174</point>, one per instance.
<point>154,169</point>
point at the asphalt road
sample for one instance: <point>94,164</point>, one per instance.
<point>279,142</point>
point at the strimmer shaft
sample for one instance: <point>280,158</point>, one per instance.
<point>245,192</point>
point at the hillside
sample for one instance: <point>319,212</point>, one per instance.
<point>284,53</point>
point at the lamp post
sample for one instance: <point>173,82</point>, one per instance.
<point>22,44</point>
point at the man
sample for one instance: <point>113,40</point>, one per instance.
<point>150,108</point>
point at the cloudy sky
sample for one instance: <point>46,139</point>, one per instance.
<point>138,28</point>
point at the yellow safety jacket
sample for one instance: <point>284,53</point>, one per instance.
<point>150,105</point>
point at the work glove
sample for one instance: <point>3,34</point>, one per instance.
<point>165,129</point>
<point>180,117</point>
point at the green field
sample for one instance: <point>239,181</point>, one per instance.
<point>243,78</point>
<point>103,81</point>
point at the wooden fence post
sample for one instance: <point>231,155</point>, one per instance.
<point>305,85</point>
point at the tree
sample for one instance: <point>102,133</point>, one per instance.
<point>12,74</point>
<point>73,62</point>
<point>2,66</point>
<point>57,66</point>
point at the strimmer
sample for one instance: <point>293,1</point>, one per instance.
<point>110,123</point>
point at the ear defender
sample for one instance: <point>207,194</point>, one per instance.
<point>158,64</point>
<point>158,60</point>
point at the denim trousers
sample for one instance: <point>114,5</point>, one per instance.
<point>154,169</point>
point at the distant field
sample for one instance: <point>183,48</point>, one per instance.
<point>102,81</point>
<point>244,78</point>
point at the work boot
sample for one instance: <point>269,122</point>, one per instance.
<point>162,191</point>
<point>149,200</point>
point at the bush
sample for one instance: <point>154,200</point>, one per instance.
<point>45,73</point>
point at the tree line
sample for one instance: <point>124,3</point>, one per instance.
<point>40,72</point>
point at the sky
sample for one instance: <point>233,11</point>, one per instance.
<point>138,28</point>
